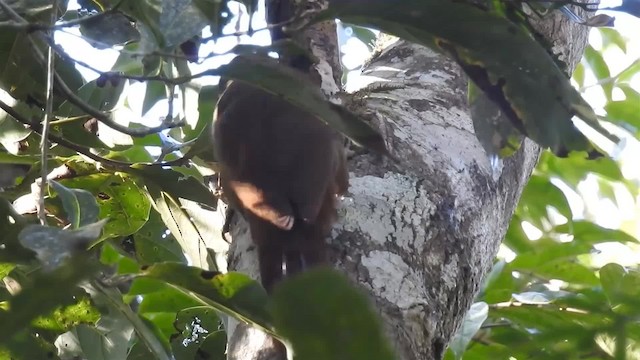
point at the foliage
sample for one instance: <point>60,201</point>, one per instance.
<point>554,299</point>
<point>126,264</point>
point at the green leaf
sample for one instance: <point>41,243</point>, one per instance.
<point>473,320</point>
<point>124,318</point>
<point>120,198</point>
<point>493,129</point>
<point>592,233</point>
<point>12,131</point>
<point>78,310</point>
<point>5,269</point>
<point>626,112</point>
<point>124,264</point>
<point>109,30</point>
<point>166,299</point>
<point>27,344</point>
<point>516,239</point>
<point>571,272</point>
<point>232,293</point>
<point>622,288</point>
<point>24,77</point>
<point>147,13</point>
<point>155,92</point>
<point>6,158</point>
<point>611,280</point>
<point>579,74</point>
<point>101,96</point>
<point>612,37</point>
<point>524,81</point>
<point>202,146</point>
<point>176,184</point>
<point>45,292</point>
<point>180,20</point>
<point>309,310</point>
<point>629,72</point>
<point>214,10</point>
<point>573,169</point>
<point>153,245</point>
<point>197,331</point>
<point>130,62</point>
<point>30,9</point>
<point>11,250</point>
<point>213,347</point>
<point>600,69</point>
<point>534,210</point>
<point>532,298</point>
<point>499,285</point>
<point>192,239</point>
<point>80,205</point>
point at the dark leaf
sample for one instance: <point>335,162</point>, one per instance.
<point>153,244</point>
<point>23,76</point>
<point>80,205</point>
<point>309,310</point>
<point>493,129</point>
<point>180,20</point>
<point>108,30</point>
<point>53,245</point>
<point>176,184</point>
<point>47,291</point>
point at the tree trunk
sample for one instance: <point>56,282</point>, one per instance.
<point>419,235</point>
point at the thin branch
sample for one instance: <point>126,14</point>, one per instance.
<point>142,78</point>
<point>508,304</point>
<point>44,145</point>
<point>54,138</point>
<point>107,163</point>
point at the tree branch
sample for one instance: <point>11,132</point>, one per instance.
<point>108,163</point>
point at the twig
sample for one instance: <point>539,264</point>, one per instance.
<point>44,146</point>
<point>509,304</point>
<point>107,163</point>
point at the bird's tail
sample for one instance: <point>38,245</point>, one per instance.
<point>283,253</point>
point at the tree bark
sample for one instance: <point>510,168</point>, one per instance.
<point>420,235</point>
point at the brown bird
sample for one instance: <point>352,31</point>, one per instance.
<point>281,167</point>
